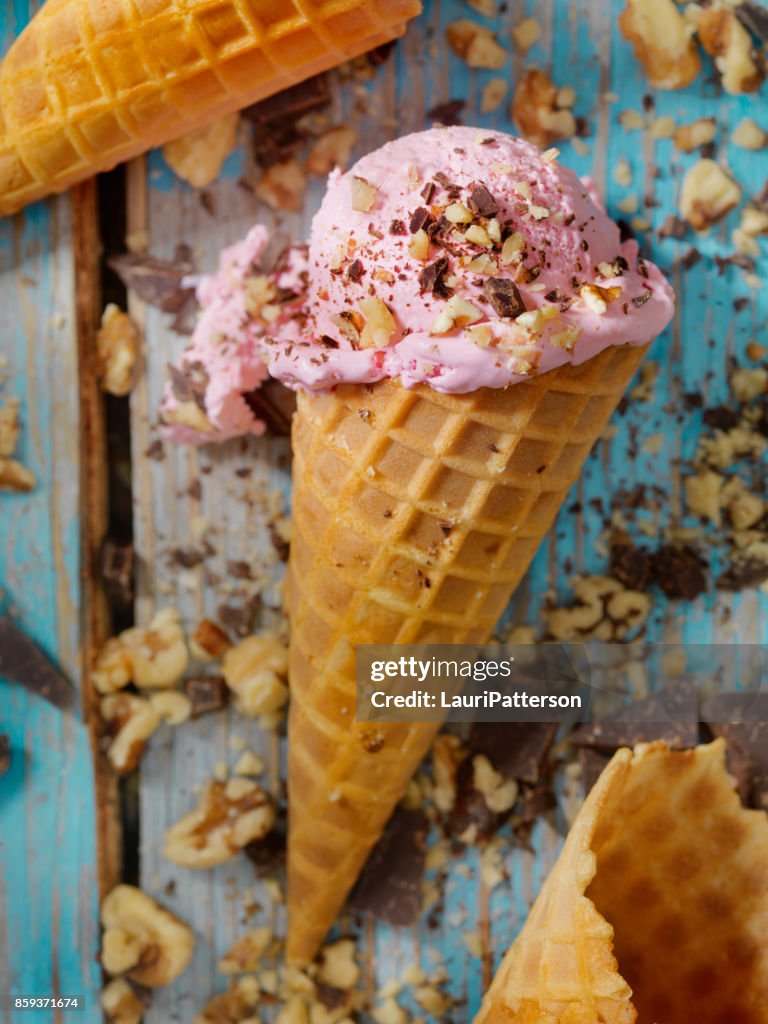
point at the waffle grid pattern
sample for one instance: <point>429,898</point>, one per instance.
<point>664,864</point>
<point>415,515</point>
<point>91,83</point>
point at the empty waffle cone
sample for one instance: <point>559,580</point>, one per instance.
<point>90,84</point>
<point>415,516</point>
<point>657,909</point>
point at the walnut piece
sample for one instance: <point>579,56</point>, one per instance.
<point>120,1003</point>
<point>256,670</point>
<point>363,194</point>
<point>727,41</point>
<point>603,609</point>
<point>117,349</point>
<point>662,41</point>
<point>246,953</point>
<point>492,95</point>
<point>526,34</point>
<point>447,756</point>
<point>535,110</point>
<point>707,194</point>
<point>236,1006</point>
<point>228,817</point>
<point>338,966</point>
<point>379,323</point>
<point>111,667</point>
<point>282,186</point>
<point>189,414</point>
<point>130,722</point>
<point>15,477</point>
<point>331,149</point>
<point>10,427</point>
<point>142,939</point>
<point>748,135</point>
<point>198,156</point>
<point>157,654</point>
<point>688,137</point>
<point>475,44</point>
<point>209,641</point>
<point>500,794</point>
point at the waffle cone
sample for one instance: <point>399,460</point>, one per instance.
<point>415,516</point>
<point>90,84</point>
<point>657,909</point>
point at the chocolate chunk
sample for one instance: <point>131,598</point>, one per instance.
<point>419,219</point>
<point>518,750</point>
<point>630,566</point>
<point>720,417</point>
<point>118,564</point>
<point>389,887</point>
<point>447,113</point>
<point>482,202</point>
<point>504,297</point>
<point>5,753</point>
<point>241,619</point>
<point>267,854</point>
<point>450,187</point>
<point>742,721</point>
<point>273,404</point>
<point>156,282</point>
<point>22,662</point>
<point>592,764</point>
<point>679,571</point>
<point>206,694</point>
<point>671,715</point>
<point>294,102</point>
<point>742,575</point>
<point>432,279</point>
<point>428,192</point>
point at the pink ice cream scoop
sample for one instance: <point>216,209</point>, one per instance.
<point>464,258</point>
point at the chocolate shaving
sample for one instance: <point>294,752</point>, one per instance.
<point>419,219</point>
<point>156,282</point>
<point>206,694</point>
<point>671,715</point>
<point>432,279</point>
<point>389,887</point>
<point>504,297</point>
<point>428,192</point>
<point>241,619</point>
<point>482,202</point>
<point>23,662</point>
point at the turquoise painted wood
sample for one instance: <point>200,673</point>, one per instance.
<point>47,861</point>
<point>48,899</point>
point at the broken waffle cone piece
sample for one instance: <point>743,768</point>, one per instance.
<point>89,84</point>
<point>415,516</point>
<point>657,908</point>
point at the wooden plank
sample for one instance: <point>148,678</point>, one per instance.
<point>580,46</point>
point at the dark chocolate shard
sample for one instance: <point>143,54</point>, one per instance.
<point>294,102</point>
<point>742,721</point>
<point>482,202</point>
<point>419,219</point>
<point>671,715</point>
<point>118,566</point>
<point>504,297</point>
<point>206,694</point>
<point>22,662</point>
<point>432,279</point>
<point>157,282</point>
<point>630,566</point>
<point>592,763</point>
<point>241,619</point>
<point>518,750</point>
<point>389,887</point>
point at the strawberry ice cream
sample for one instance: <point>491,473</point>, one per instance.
<point>459,257</point>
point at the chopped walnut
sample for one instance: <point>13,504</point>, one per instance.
<point>703,494</point>
<point>662,41</point>
<point>604,609</point>
<point>338,966</point>
<point>363,194</point>
<point>748,135</point>
<point>535,110</point>
<point>282,186</point>
<point>10,427</point>
<point>256,670</point>
<point>456,312</point>
<point>526,34</point>
<point>475,44</point>
<point>157,653</point>
<point>726,40</point>
<point>130,722</point>
<point>707,194</point>
<point>117,349</point>
<point>142,939</point>
<point>15,477</point>
<point>492,95</point>
<point>418,246</point>
<point>745,509</point>
<point>688,137</point>
<point>331,149</point>
<point>447,756</point>
<point>754,221</point>
<point>189,414</point>
<point>379,325</point>
<point>500,794</point>
<point>237,1006</point>
<point>228,817</point>
<point>249,764</point>
<point>209,641</point>
<point>120,1003</point>
<point>198,156</point>
<point>111,667</point>
<point>246,953</point>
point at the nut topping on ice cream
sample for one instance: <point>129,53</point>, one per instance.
<point>458,257</point>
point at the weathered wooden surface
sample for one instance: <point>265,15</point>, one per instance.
<point>581,47</point>
<point>48,863</point>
